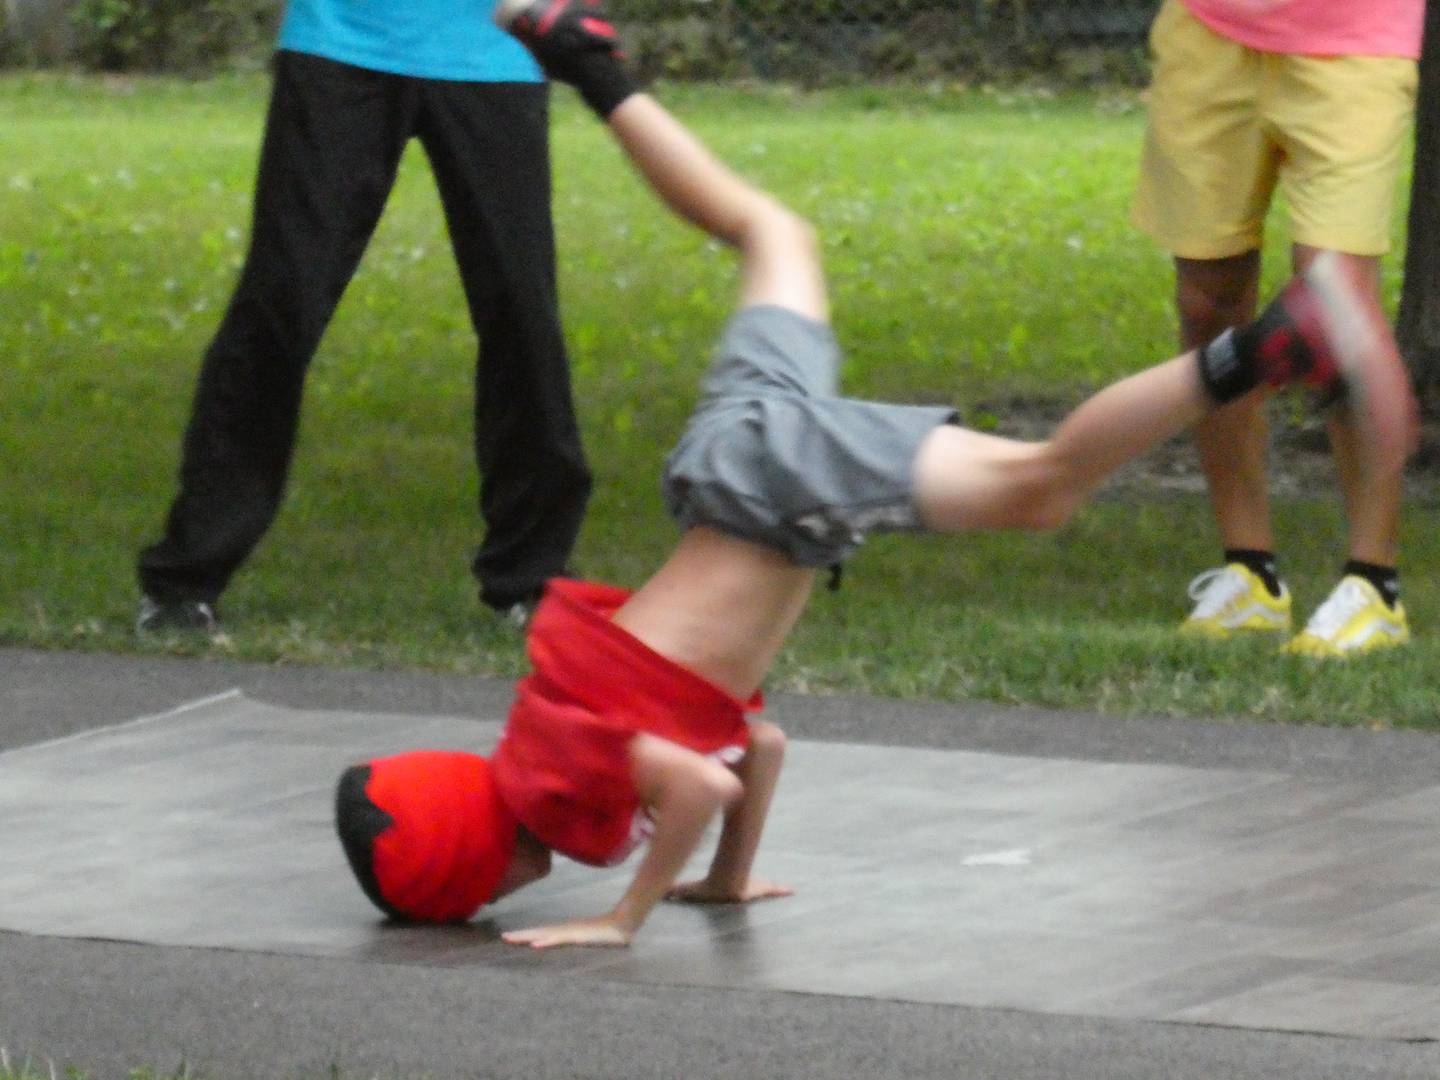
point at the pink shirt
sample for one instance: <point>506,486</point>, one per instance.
<point>1318,27</point>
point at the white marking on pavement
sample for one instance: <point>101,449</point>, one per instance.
<point>1014,857</point>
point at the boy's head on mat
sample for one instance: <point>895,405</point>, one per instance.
<point>425,833</point>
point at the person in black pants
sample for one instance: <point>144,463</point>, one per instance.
<point>348,96</point>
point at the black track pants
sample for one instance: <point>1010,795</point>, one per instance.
<point>333,140</point>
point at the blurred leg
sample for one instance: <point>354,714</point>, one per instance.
<point>333,138</point>
<point>488,144</point>
<point>1372,503</point>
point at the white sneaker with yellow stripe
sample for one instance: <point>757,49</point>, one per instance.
<point>1234,599</point>
<point>1354,619</point>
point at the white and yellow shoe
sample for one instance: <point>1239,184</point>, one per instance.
<point>1234,599</point>
<point>1354,619</point>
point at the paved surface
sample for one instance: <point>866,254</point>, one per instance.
<point>107,1006</point>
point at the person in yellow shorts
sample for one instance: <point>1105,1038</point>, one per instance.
<point>1314,98</point>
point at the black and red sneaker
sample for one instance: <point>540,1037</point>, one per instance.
<point>559,32</point>
<point>1327,329</point>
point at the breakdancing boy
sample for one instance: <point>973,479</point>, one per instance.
<point>634,722</point>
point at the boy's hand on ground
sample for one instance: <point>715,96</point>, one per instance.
<point>603,930</point>
<point>706,892</point>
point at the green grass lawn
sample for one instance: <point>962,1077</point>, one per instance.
<point>980,254</point>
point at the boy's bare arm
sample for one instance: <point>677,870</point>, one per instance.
<point>682,791</point>
<point>729,879</point>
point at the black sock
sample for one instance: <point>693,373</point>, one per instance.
<point>1386,579</point>
<point>1259,563</point>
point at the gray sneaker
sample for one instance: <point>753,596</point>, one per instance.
<point>176,616</point>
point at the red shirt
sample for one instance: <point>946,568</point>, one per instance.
<point>562,765</point>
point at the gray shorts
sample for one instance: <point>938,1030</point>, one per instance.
<point>774,455</point>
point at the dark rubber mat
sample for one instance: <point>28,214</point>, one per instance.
<point>1225,897</point>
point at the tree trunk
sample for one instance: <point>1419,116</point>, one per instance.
<point>1419,326</point>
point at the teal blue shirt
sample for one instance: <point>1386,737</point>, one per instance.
<point>430,39</point>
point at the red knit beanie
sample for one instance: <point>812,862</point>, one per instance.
<point>425,833</point>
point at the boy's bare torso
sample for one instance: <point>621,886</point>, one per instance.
<point>721,607</point>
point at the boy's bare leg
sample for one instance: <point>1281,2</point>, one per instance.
<point>968,480</point>
<point>1324,329</point>
<point>779,261</point>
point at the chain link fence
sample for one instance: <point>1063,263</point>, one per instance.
<point>811,42</point>
<point>824,41</point>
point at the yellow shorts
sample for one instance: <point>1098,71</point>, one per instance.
<point>1227,122</point>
